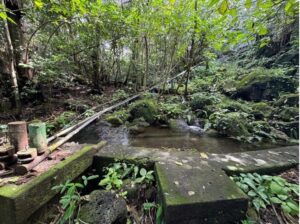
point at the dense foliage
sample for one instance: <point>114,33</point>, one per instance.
<point>135,43</point>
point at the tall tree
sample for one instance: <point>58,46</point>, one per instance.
<point>12,62</point>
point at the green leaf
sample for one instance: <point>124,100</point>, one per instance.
<point>275,200</point>
<point>79,185</point>
<point>159,212</point>
<point>288,6</point>
<point>294,206</point>
<point>248,4</point>
<point>233,12</point>
<point>148,205</point>
<point>282,197</point>
<point>252,193</point>
<point>279,180</point>
<point>213,2</point>
<point>92,177</point>
<point>249,182</point>
<point>267,177</point>
<point>244,187</point>
<point>223,7</point>
<point>275,188</point>
<point>286,209</point>
<point>262,30</point>
<point>3,15</point>
<point>256,204</point>
<point>136,170</point>
<point>39,4</point>
<point>118,183</point>
<point>139,180</point>
<point>143,172</point>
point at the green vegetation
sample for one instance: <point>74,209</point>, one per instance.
<point>60,122</point>
<point>271,191</point>
<point>62,61</point>
<point>71,198</point>
<point>120,171</point>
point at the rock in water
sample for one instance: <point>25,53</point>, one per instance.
<point>103,207</point>
<point>196,130</point>
<point>181,126</point>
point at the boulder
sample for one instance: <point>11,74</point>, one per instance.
<point>114,120</point>
<point>262,110</point>
<point>103,207</point>
<point>179,125</point>
<point>146,108</point>
<point>263,85</point>
<point>137,126</point>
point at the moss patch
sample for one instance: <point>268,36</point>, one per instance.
<point>23,200</point>
<point>146,108</point>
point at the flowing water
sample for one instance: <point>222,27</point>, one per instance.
<point>156,137</point>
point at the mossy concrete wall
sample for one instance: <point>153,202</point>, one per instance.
<point>18,202</point>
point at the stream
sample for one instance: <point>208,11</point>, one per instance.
<point>158,137</point>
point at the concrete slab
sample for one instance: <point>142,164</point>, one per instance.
<point>262,161</point>
<point>199,194</point>
<point>18,202</point>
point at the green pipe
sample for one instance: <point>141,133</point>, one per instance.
<point>38,136</point>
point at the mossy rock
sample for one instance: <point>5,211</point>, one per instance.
<point>201,100</point>
<point>145,108</point>
<point>230,124</point>
<point>262,110</point>
<point>137,126</point>
<point>291,99</point>
<point>103,207</point>
<point>114,120</point>
<point>264,84</point>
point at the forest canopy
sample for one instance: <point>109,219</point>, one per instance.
<point>135,43</point>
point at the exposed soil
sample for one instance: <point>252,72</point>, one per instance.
<point>57,101</point>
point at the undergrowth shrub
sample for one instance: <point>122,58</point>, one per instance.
<point>267,190</point>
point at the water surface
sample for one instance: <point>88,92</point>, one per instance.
<point>156,137</point>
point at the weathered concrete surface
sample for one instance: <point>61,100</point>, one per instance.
<point>18,202</point>
<point>263,161</point>
<point>193,186</point>
<point>199,193</point>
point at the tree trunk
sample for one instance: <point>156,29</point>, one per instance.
<point>12,62</point>
<point>145,76</point>
<point>17,37</point>
<point>190,54</point>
